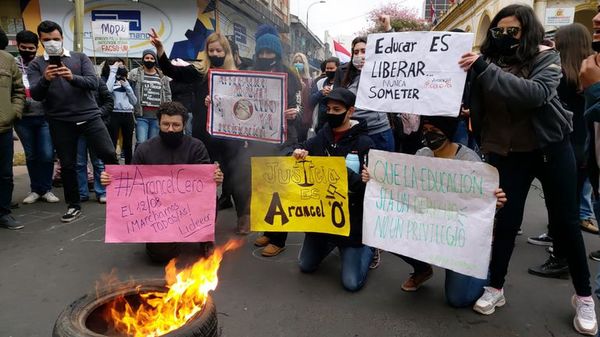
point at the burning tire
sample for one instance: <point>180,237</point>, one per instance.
<point>86,317</point>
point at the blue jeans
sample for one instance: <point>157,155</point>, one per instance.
<point>355,260</point>
<point>81,166</point>
<point>461,135</point>
<point>6,171</point>
<point>145,129</point>
<point>384,141</point>
<point>585,205</point>
<point>34,133</point>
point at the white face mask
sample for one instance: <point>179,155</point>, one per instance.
<point>53,47</point>
<point>358,61</point>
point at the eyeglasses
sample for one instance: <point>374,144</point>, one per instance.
<point>497,32</point>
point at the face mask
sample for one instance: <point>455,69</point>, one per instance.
<point>265,64</point>
<point>358,61</point>
<point>596,46</point>
<point>330,75</point>
<point>53,47</point>
<point>27,55</point>
<point>217,61</point>
<point>299,67</point>
<point>171,139</point>
<point>507,45</point>
<point>149,64</point>
<point>434,140</point>
<point>335,121</point>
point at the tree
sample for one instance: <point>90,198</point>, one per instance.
<point>403,19</point>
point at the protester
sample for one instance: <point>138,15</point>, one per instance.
<point>12,101</point>
<point>151,89</point>
<point>344,137</point>
<point>302,67</point>
<point>525,134</point>
<point>33,129</point>
<point>183,93</point>
<point>172,147</point>
<point>122,119</point>
<point>461,290</point>
<point>240,63</point>
<point>320,90</point>
<point>67,93</point>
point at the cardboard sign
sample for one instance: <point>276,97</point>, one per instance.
<point>248,105</point>
<point>439,211</point>
<point>414,72</point>
<point>161,203</point>
<point>110,37</point>
<point>290,195</point>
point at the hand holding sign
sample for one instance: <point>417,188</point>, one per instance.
<point>467,60</point>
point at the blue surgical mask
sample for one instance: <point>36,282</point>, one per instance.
<point>299,67</point>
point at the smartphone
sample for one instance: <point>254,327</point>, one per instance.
<point>55,60</point>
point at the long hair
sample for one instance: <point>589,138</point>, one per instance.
<point>305,74</point>
<point>532,33</point>
<point>222,40</point>
<point>106,67</point>
<point>574,43</point>
<point>351,71</point>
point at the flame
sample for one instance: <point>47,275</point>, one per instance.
<point>162,312</point>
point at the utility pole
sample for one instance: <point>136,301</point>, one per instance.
<point>78,29</point>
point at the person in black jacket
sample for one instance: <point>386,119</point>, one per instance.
<point>341,137</point>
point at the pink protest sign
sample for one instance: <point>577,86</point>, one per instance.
<point>160,203</point>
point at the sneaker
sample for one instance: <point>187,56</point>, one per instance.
<point>585,315</point>
<point>262,241</point>
<point>102,199</point>
<point>520,231</point>
<point>8,222</point>
<point>553,267</point>
<point>50,197</point>
<point>72,214</point>
<point>376,260</point>
<point>541,240</point>
<point>595,255</point>
<point>31,198</point>
<point>416,280</point>
<point>589,225</point>
<point>550,249</point>
<point>271,250</point>
<point>491,298</point>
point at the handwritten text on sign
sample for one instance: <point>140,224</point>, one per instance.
<point>248,105</point>
<point>290,195</point>
<point>110,37</point>
<point>161,203</point>
<point>439,211</point>
<point>414,72</point>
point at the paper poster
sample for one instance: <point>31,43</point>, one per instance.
<point>110,37</point>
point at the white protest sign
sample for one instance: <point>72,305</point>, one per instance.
<point>560,16</point>
<point>110,37</point>
<point>439,211</point>
<point>414,72</point>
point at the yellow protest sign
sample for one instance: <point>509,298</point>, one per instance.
<point>290,195</point>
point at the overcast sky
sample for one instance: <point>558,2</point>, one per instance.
<point>342,17</point>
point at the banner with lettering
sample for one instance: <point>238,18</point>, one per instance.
<point>110,37</point>
<point>414,72</point>
<point>290,195</point>
<point>439,211</point>
<point>160,203</point>
<point>247,105</point>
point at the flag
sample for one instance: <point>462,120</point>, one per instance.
<point>433,16</point>
<point>341,52</point>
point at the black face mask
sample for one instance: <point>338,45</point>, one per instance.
<point>507,45</point>
<point>336,121</point>
<point>434,140</point>
<point>263,64</point>
<point>149,64</point>
<point>217,61</point>
<point>596,46</point>
<point>330,75</point>
<point>27,55</point>
<point>171,139</point>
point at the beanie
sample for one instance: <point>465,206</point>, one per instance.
<point>267,38</point>
<point>447,125</point>
<point>151,52</point>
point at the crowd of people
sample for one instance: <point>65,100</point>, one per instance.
<point>531,109</point>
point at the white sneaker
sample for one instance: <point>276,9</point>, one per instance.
<point>50,197</point>
<point>31,198</point>
<point>490,299</point>
<point>585,315</point>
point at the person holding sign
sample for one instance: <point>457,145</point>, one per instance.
<point>525,134</point>
<point>438,132</point>
<point>341,136</point>
<point>171,147</point>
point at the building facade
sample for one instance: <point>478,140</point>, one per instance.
<point>440,7</point>
<point>304,41</point>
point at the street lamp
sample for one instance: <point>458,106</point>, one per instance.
<point>312,4</point>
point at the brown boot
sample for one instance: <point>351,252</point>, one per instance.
<point>271,250</point>
<point>416,280</point>
<point>262,241</point>
<point>243,225</point>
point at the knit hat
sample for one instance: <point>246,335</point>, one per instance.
<point>151,52</point>
<point>447,125</point>
<point>267,38</point>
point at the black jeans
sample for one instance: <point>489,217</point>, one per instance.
<point>124,122</point>
<point>65,136</point>
<point>555,168</point>
<point>6,171</point>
